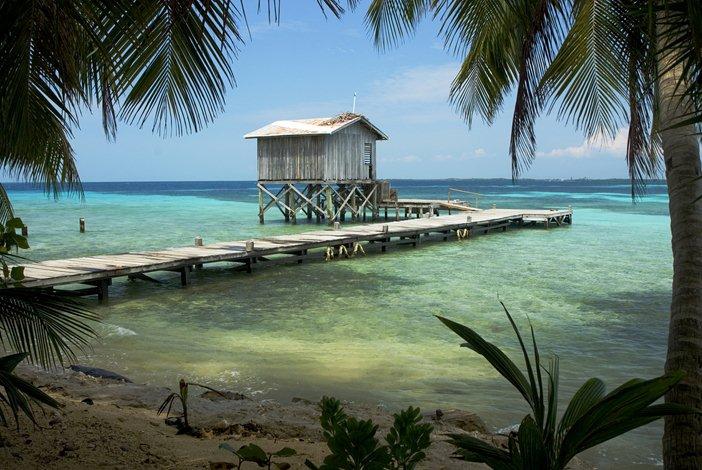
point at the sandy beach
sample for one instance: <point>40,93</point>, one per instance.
<point>105,423</point>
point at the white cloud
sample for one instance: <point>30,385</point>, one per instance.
<point>479,152</point>
<point>595,145</point>
<point>422,84</point>
<point>403,159</point>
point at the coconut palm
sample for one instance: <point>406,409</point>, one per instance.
<point>159,63</point>
<point>600,65</point>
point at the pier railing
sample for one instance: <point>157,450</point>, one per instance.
<point>477,196</point>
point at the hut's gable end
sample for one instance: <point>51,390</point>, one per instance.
<point>344,153</point>
<point>298,158</point>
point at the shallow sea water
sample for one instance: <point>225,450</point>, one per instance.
<point>597,293</point>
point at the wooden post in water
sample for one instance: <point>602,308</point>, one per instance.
<point>287,203</point>
<point>260,206</point>
<point>319,204</point>
<point>81,224</point>
<point>309,193</point>
<point>292,197</point>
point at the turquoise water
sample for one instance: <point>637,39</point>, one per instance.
<point>363,329</point>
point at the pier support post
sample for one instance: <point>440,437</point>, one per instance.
<point>101,288</point>
<point>309,191</point>
<point>292,204</point>
<point>329,203</point>
<point>185,275</point>
<point>260,206</point>
<point>286,213</point>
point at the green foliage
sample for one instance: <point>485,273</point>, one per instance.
<point>17,394</point>
<point>166,65</point>
<point>354,446</point>
<point>595,61</point>
<point>408,438</point>
<point>592,416</point>
<point>253,453</point>
<point>38,324</point>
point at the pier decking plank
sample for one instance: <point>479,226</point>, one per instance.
<point>92,269</point>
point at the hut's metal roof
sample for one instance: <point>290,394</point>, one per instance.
<point>314,126</point>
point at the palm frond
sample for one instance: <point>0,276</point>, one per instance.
<point>481,33</point>
<point>40,92</point>
<point>6,212</point>
<point>540,35</point>
<point>48,326</point>
<point>472,449</point>
<point>177,65</point>
<point>391,21</point>
<point>494,356</point>
<point>588,75</point>
<point>19,395</point>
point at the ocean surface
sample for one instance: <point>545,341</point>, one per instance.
<point>597,293</point>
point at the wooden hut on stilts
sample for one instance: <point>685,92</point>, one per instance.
<point>323,168</point>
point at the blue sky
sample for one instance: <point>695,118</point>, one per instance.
<point>309,66</point>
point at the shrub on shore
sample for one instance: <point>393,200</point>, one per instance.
<point>353,444</point>
<point>591,418</point>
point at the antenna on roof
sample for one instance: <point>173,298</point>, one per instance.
<point>353,109</point>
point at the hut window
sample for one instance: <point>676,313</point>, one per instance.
<point>367,153</point>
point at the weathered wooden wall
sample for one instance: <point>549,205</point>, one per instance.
<point>344,153</point>
<point>335,157</point>
<point>291,158</point>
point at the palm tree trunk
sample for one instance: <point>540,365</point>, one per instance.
<point>682,439</point>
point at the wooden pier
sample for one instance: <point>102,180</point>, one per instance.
<point>95,273</point>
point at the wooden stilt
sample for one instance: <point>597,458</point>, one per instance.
<point>329,202</point>
<point>260,206</point>
<point>185,275</point>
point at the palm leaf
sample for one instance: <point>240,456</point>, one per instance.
<point>531,449</point>
<point>390,21</point>
<point>494,356</point>
<point>586,397</point>
<point>48,326</point>
<point>472,449</point>
<point>19,395</point>
<point>618,412</point>
<point>6,212</point>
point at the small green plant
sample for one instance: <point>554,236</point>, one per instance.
<point>591,418</point>
<point>408,438</point>
<point>183,424</point>
<point>253,453</point>
<point>353,444</point>
<point>11,241</point>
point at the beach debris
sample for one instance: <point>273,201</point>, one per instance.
<point>99,373</point>
<point>87,401</point>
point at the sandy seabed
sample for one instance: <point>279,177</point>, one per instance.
<point>121,428</point>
